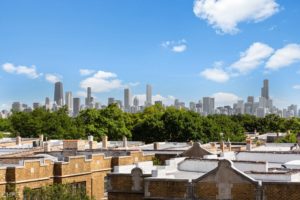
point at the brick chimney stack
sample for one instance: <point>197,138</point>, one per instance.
<point>249,144</point>
<point>125,145</point>
<point>18,140</point>
<point>104,142</point>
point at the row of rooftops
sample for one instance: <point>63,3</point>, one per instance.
<point>267,162</point>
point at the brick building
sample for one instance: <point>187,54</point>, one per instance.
<point>73,164</point>
<point>249,175</point>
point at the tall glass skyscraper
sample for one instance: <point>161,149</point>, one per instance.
<point>265,89</point>
<point>59,94</point>
<point>148,95</point>
<point>127,99</point>
<point>89,98</point>
<point>69,101</point>
<point>76,106</point>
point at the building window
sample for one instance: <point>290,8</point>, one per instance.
<point>78,186</point>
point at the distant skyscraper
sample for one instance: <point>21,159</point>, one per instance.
<point>16,106</point>
<point>127,99</point>
<point>148,95</point>
<point>250,99</point>
<point>119,103</point>
<point>59,93</point>
<point>208,105</point>
<point>36,105</point>
<point>265,89</point>
<point>89,98</point>
<point>111,100</point>
<point>136,101</point>
<point>47,103</point>
<point>69,101</point>
<point>240,107</point>
<point>76,106</point>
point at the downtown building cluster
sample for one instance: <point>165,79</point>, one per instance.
<point>260,108</point>
<point>75,105</point>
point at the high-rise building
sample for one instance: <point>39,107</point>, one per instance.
<point>208,105</point>
<point>47,103</point>
<point>193,106</point>
<point>76,106</point>
<point>89,98</point>
<point>16,106</point>
<point>240,107</point>
<point>111,100</point>
<point>69,101</point>
<point>265,89</point>
<point>119,103</point>
<point>127,99</point>
<point>36,105</point>
<point>136,101</point>
<point>250,99</point>
<point>148,95</point>
<point>262,102</point>
<point>59,94</point>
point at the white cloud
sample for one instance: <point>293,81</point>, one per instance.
<point>252,57</point>
<point>30,72</point>
<point>167,100</point>
<point>102,81</point>
<point>86,72</point>
<point>215,74</point>
<point>223,98</point>
<point>175,46</point>
<point>225,15</point>
<point>296,87</point>
<point>179,48</point>
<point>53,78</point>
<point>284,57</point>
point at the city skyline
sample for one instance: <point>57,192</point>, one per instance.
<point>133,103</point>
<point>181,49</point>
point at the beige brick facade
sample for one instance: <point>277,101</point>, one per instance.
<point>223,182</point>
<point>37,172</point>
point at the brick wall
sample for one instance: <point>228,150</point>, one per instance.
<point>133,157</point>
<point>93,171</point>
<point>243,191</point>
<point>166,189</point>
<point>206,191</point>
<point>280,191</point>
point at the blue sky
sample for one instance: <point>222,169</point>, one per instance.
<point>185,49</point>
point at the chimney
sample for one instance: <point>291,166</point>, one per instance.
<point>18,140</point>
<point>104,142</point>
<point>92,145</point>
<point>156,145</point>
<point>222,146</point>
<point>229,146</point>
<point>41,139</point>
<point>125,145</point>
<point>47,147</point>
<point>248,144</point>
